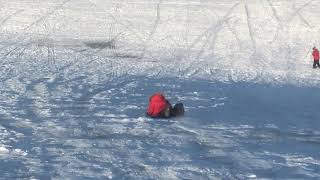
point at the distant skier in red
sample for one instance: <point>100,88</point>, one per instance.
<point>315,55</point>
<point>160,107</point>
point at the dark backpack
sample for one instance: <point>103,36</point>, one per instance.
<point>177,110</point>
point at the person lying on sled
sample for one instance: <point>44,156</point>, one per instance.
<point>160,107</point>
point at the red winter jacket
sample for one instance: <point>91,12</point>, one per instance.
<point>157,104</point>
<point>315,54</point>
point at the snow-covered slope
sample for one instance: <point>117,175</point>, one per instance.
<point>261,41</point>
<point>75,76</point>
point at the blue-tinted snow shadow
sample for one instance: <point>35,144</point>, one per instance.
<point>228,129</point>
<point>280,119</point>
<point>239,103</point>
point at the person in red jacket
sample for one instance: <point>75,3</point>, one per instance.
<point>160,107</point>
<point>315,55</point>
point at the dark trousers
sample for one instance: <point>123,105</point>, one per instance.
<point>316,63</point>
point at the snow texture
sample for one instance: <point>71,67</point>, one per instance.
<point>75,77</point>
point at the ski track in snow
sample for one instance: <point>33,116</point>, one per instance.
<point>75,77</point>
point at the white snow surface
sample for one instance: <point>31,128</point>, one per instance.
<point>75,76</point>
<point>261,41</point>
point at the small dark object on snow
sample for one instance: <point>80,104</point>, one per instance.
<point>177,110</point>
